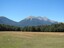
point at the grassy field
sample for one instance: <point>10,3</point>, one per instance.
<point>31,40</point>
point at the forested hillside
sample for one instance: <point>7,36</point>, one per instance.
<point>4,27</point>
<point>43,28</point>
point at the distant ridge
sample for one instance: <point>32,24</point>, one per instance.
<point>5,20</point>
<point>29,21</point>
<point>35,21</point>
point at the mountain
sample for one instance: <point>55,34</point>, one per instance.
<point>34,21</point>
<point>29,21</point>
<point>4,20</point>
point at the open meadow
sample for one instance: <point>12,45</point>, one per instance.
<point>12,39</point>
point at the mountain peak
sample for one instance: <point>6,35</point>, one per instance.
<point>36,20</point>
<point>38,17</point>
<point>31,17</point>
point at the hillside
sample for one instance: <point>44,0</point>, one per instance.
<point>43,28</point>
<point>29,21</point>
<point>35,21</point>
<point>5,20</point>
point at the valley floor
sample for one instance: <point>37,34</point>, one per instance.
<point>12,39</point>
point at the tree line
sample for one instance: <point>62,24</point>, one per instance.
<point>4,27</point>
<point>43,28</point>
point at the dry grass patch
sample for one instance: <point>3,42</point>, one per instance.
<point>11,39</point>
<point>30,34</point>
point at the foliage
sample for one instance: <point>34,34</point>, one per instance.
<point>45,28</point>
<point>4,27</point>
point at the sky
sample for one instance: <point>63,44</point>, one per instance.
<point>19,9</point>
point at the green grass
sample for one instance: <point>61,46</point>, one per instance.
<point>31,40</point>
